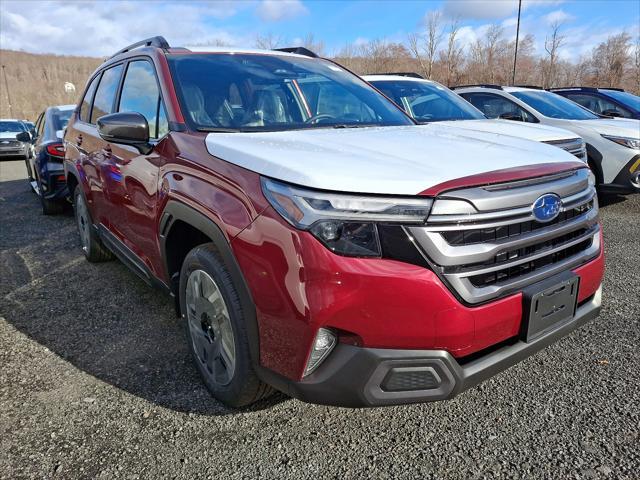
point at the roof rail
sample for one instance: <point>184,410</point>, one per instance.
<point>586,89</point>
<point>298,50</point>
<point>400,74</point>
<point>483,85</point>
<point>535,87</point>
<point>159,42</point>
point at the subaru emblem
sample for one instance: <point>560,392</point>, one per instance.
<point>547,207</point>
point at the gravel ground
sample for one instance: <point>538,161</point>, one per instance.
<point>95,382</point>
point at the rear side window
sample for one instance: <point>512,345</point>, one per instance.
<point>140,94</point>
<point>85,106</point>
<point>106,93</point>
<point>598,104</point>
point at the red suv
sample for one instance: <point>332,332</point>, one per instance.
<point>315,239</point>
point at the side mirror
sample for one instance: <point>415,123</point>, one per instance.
<point>127,128</point>
<point>611,113</point>
<point>511,116</point>
<point>23,137</point>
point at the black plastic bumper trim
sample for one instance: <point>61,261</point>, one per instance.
<point>352,376</point>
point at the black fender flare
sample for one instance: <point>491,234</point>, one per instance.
<point>595,158</point>
<point>175,211</point>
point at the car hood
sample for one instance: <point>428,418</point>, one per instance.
<point>540,133</point>
<point>403,160</point>
<point>619,127</point>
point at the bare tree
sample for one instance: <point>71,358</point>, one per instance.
<point>424,47</point>
<point>636,65</point>
<point>611,59</point>
<point>268,41</point>
<point>452,57</point>
<point>552,44</point>
<point>316,46</point>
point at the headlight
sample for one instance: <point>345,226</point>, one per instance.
<point>625,141</point>
<point>344,223</point>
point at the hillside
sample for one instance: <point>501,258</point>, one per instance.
<point>37,81</point>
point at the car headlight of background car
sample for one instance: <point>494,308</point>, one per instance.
<point>625,141</point>
<point>345,223</point>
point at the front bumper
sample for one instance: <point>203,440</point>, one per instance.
<point>364,377</point>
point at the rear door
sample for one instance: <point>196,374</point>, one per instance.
<point>94,149</point>
<point>133,188</point>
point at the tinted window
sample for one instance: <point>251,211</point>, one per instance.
<point>625,98</point>
<point>428,102</point>
<point>553,105</point>
<point>85,106</point>
<point>496,106</point>
<point>140,94</point>
<point>12,127</point>
<point>597,104</point>
<point>275,92</point>
<point>60,118</point>
<point>106,93</point>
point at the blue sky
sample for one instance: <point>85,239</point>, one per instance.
<point>99,28</point>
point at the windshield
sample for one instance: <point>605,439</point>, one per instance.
<point>553,105</point>
<point>254,92</point>
<point>11,127</point>
<point>61,118</point>
<point>428,102</point>
<point>625,98</point>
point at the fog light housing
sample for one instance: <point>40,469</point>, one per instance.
<point>322,345</point>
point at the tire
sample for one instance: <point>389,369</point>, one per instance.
<point>27,162</point>
<point>93,249</point>
<point>216,329</point>
<point>49,207</point>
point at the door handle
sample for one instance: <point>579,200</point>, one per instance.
<point>79,140</point>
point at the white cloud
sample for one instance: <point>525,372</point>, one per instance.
<point>557,16</point>
<point>101,28</point>
<point>276,10</point>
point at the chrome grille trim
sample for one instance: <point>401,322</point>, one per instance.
<point>572,240</point>
<point>574,146</point>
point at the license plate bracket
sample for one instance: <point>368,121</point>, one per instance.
<point>549,304</point>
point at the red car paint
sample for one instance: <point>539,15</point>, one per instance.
<point>296,284</point>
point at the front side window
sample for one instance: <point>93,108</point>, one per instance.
<point>249,92</point>
<point>140,93</point>
<point>85,106</point>
<point>428,102</point>
<point>496,106</point>
<point>598,104</point>
<point>553,105</point>
<point>106,93</point>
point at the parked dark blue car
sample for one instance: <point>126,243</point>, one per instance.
<point>610,102</point>
<point>45,170</point>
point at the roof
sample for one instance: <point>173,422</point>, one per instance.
<point>393,78</point>
<point>240,50</point>
<point>10,120</point>
<point>63,107</point>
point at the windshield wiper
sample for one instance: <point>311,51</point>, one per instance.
<point>218,129</point>
<point>354,125</point>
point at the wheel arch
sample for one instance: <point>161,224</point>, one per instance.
<point>594,158</point>
<point>183,228</point>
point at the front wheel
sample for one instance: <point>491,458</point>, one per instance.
<point>216,329</point>
<point>92,247</point>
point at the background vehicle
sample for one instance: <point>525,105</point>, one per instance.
<point>610,102</point>
<point>45,169</point>
<point>613,145</point>
<point>315,239</point>
<point>428,101</point>
<point>10,146</point>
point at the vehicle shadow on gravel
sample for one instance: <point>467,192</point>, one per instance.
<point>99,317</point>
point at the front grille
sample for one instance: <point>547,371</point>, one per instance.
<point>574,146</point>
<point>497,246</point>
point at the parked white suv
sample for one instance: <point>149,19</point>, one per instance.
<point>613,145</point>
<point>428,101</point>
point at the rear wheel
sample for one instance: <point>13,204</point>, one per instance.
<point>92,247</point>
<point>216,329</point>
<point>49,207</point>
